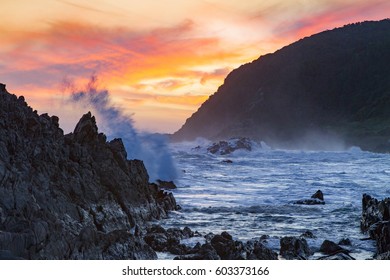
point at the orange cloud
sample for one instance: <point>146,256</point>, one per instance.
<point>332,16</point>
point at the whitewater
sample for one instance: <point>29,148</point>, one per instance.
<point>254,195</point>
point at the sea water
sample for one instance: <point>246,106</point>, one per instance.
<point>255,194</point>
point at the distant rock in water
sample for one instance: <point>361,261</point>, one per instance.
<point>317,198</point>
<point>230,146</point>
<point>327,91</point>
<point>73,196</point>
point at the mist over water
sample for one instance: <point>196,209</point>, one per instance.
<point>152,149</point>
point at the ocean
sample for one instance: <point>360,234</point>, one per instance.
<point>254,195</point>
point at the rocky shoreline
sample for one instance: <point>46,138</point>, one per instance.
<point>375,221</point>
<point>73,196</point>
<point>77,196</point>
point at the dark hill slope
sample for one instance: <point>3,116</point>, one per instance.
<point>335,83</point>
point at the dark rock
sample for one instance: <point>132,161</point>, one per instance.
<point>71,196</point>
<point>6,254</point>
<point>374,211</point>
<point>307,234</point>
<point>383,256</point>
<point>162,240</point>
<point>318,195</point>
<point>86,129</point>
<point>261,252</point>
<point>311,201</point>
<point>376,221</point>
<point>329,247</point>
<point>337,256</point>
<point>166,185</point>
<point>200,252</point>
<point>227,161</point>
<point>209,236</point>
<point>294,248</point>
<point>345,241</point>
<point>2,88</point>
<point>226,247</point>
<point>317,198</point>
<point>223,246</point>
<point>228,147</point>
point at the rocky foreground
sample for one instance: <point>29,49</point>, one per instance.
<point>73,196</point>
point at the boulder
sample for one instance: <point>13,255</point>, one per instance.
<point>294,248</point>
<point>316,198</point>
<point>228,147</point>
<point>329,247</point>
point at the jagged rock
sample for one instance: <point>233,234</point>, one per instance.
<point>261,252</point>
<point>294,248</point>
<point>228,147</point>
<point>318,195</point>
<point>223,246</point>
<point>376,220</point>
<point>168,240</point>
<point>71,196</point>
<point>200,252</point>
<point>86,129</point>
<point>329,247</point>
<point>317,198</point>
<point>226,247</point>
<point>374,211</point>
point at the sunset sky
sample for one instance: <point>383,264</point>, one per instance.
<point>160,59</point>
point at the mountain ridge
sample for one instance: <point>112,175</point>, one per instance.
<point>334,84</point>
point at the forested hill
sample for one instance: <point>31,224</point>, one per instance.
<point>335,85</point>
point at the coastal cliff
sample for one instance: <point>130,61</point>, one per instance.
<point>73,196</point>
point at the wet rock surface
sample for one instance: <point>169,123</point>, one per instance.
<point>294,248</point>
<point>315,199</point>
<point>228,147</point>
<point>375,221</point>
<point>216,247</point>
<point>73,196</point>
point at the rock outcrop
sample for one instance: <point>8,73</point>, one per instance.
<point>316,198</point>
<point>73,196</point>
<point>294,248</point>
<point>228,147</point>
<point>376,221</point>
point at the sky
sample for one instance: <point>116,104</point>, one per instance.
<point>159,59</point>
